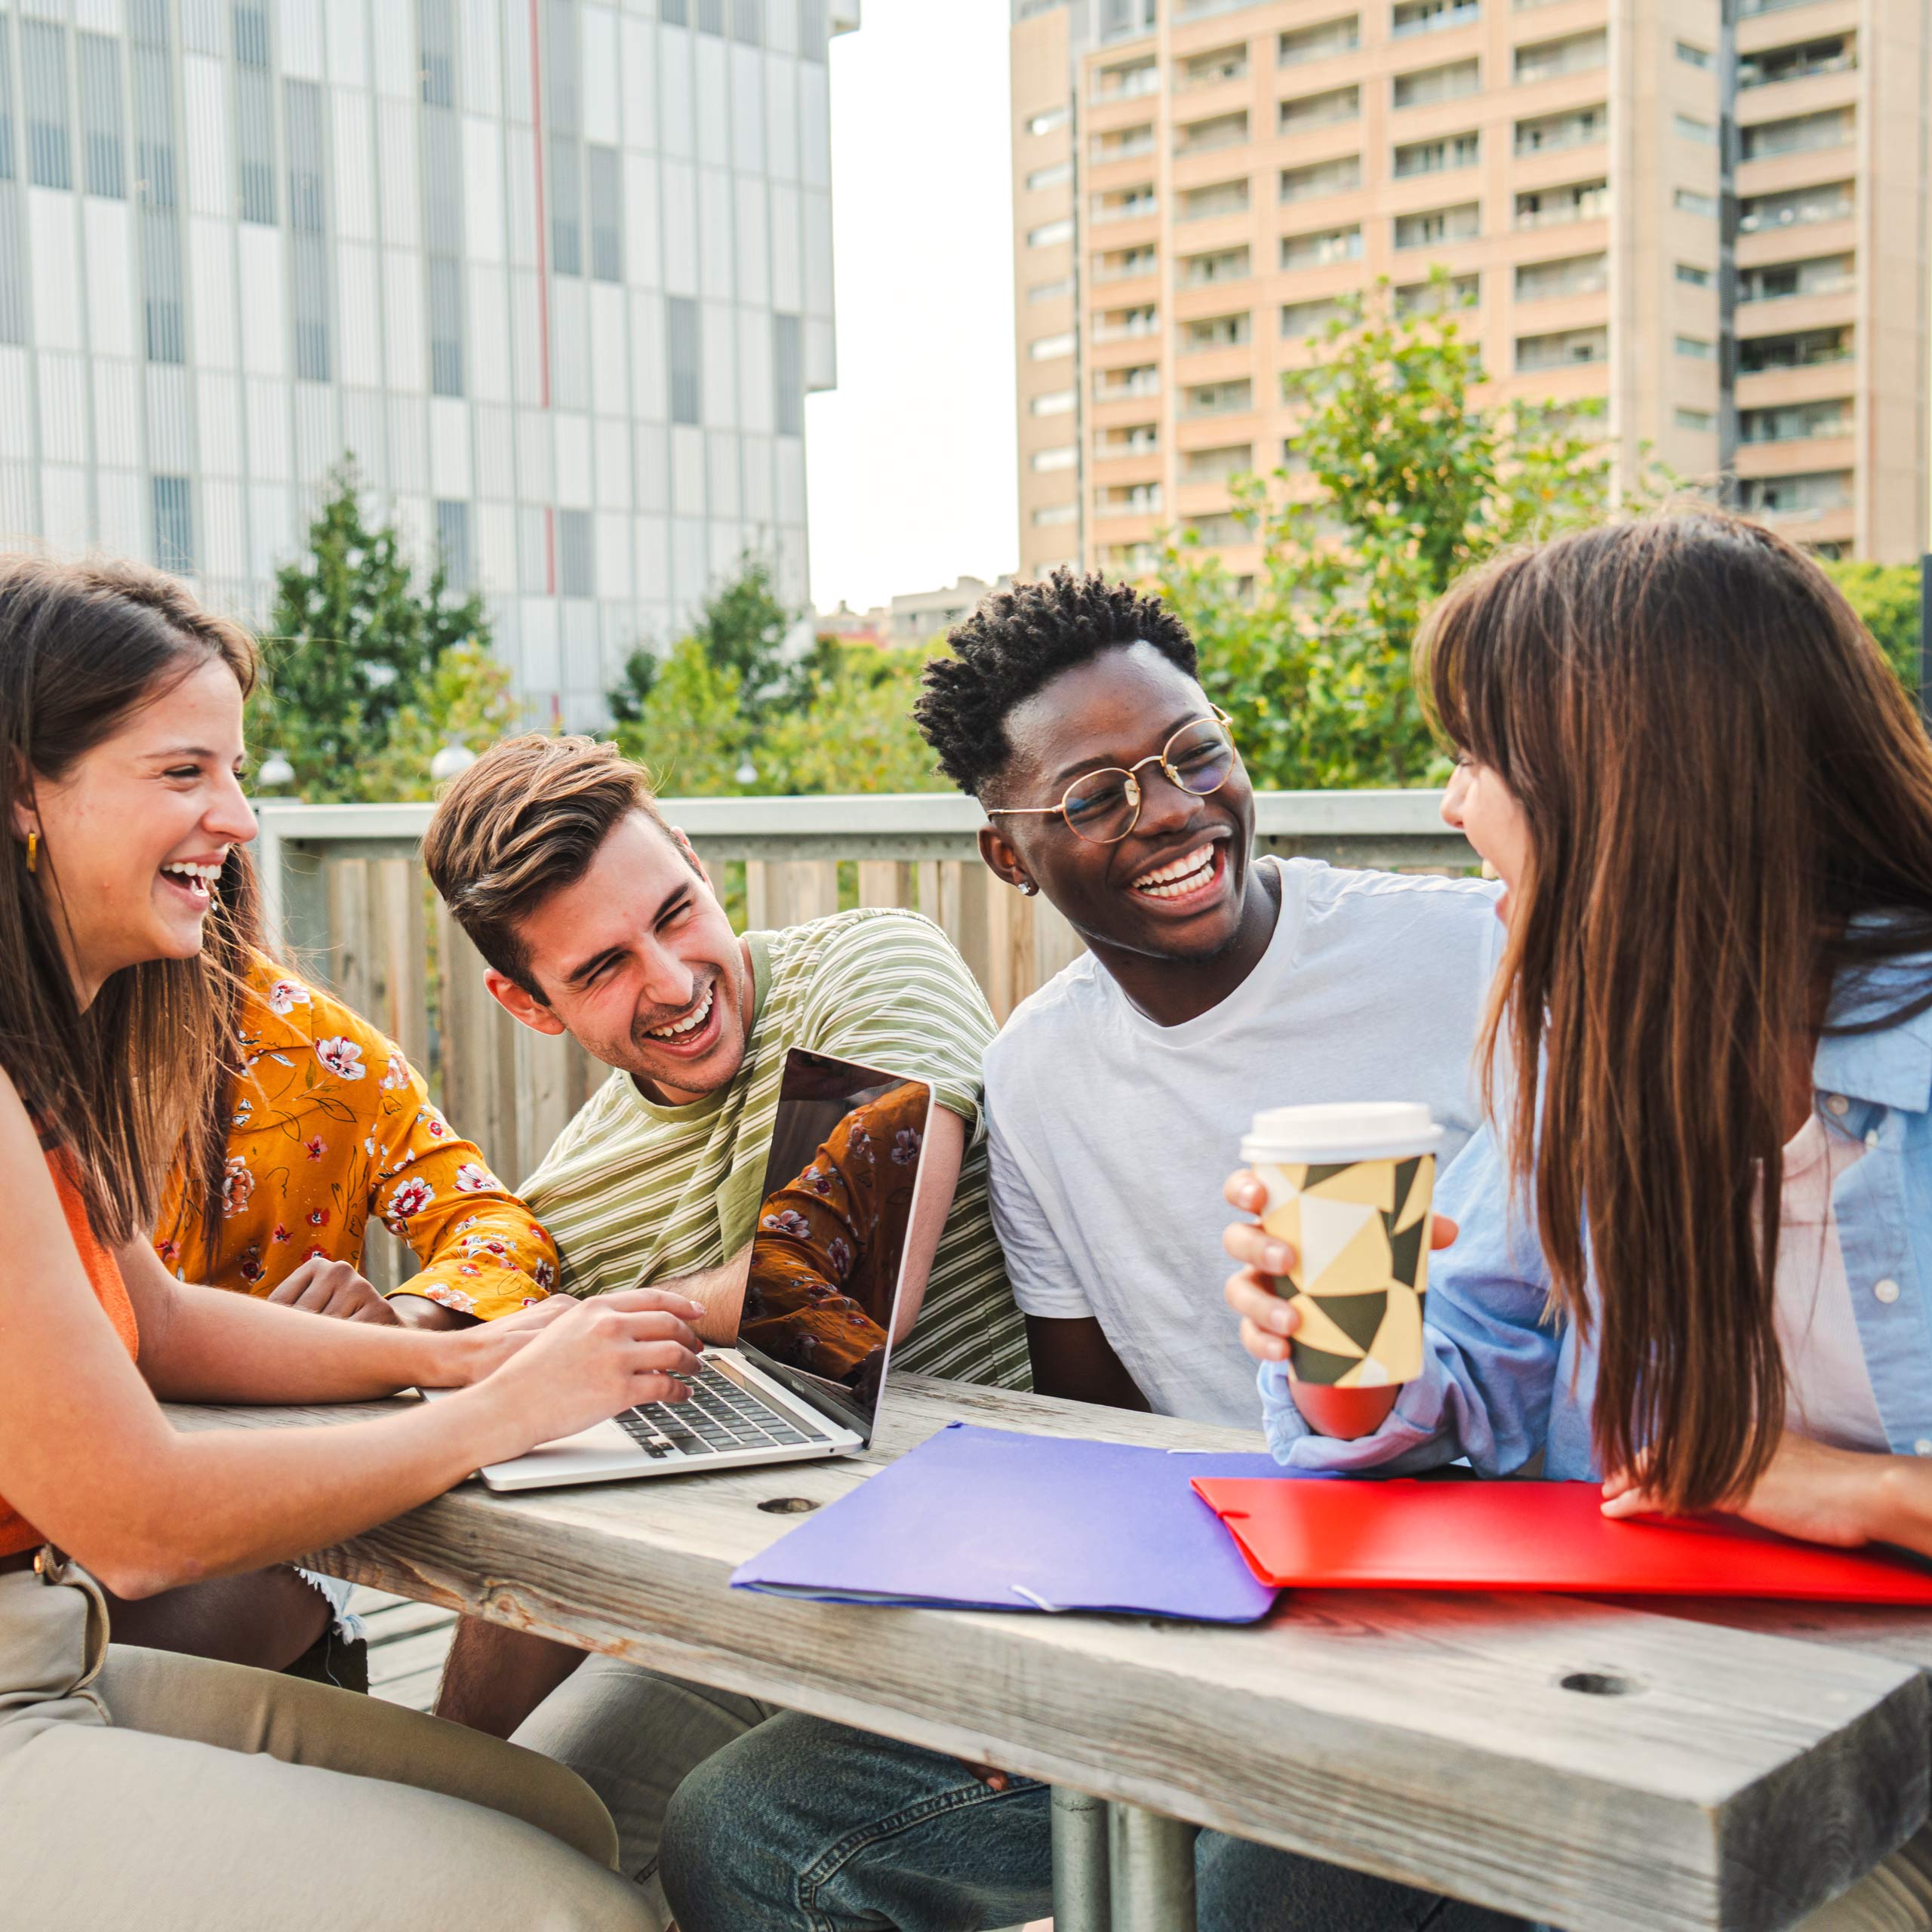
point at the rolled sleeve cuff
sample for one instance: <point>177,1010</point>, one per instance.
<point>1411,1433</point>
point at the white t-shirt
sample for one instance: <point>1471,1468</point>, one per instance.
<point>1828,1393</point>
<point>1111,1136</point>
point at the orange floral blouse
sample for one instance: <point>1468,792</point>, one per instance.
<point>332,1126</point>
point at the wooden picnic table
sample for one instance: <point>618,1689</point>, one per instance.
<point>1589,1765</point>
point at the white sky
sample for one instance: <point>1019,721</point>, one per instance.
<point>911,460</point>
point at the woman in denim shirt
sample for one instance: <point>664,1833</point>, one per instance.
<point>1694,1258</point>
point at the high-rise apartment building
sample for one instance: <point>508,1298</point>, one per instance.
<point>557,273</point>
<point>1712,215</point>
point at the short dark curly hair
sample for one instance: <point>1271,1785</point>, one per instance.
<point>1016,642</point>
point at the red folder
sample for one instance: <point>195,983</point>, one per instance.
<point>1530,1536</point>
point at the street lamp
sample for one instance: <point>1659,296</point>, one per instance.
<point>454,757</point>
<point>276,771</point>
<point>747,773</point>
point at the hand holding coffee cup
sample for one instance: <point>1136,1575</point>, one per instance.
<point>1344,1194</point>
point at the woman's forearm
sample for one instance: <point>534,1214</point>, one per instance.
<point>215,1346</point>
<point>217,1502</point>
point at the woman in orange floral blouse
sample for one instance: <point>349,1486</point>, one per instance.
<point>330,1127</point>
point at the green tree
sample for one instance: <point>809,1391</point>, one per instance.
<point>359,642</point>
<point>853,730</point>
<point>693,731</point>
<point>743,627</point>
<point>1415,481</point>
<point>467,700</point>
<point>1886,596</point>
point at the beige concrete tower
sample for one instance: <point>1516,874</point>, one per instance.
<point>1676,212</point>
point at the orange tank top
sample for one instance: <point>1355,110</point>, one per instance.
<point>104,1277</point>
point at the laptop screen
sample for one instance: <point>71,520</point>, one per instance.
<point>829,1248</point>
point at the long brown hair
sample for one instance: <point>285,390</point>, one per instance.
<point>1729,805</point>
<point>82,647</point>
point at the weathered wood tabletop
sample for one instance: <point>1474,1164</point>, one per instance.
<point>1590,1764</point>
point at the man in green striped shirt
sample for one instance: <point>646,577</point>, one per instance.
<point>595,919</point>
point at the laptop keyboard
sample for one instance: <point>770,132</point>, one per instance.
<point>719,1418</point>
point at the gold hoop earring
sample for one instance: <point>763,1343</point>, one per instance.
<point>33,851</point>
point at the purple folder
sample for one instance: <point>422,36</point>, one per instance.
<point>989,1519</point>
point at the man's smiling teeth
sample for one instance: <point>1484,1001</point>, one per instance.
<point>690,1026</point>
<point>1184,875</point>
<point>205,875</point>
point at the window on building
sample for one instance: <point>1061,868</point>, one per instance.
<point>1573,54</point>
<point>1050,235</point>
<point>1217,465</point>
<point>680,342</point>
<point>1062,456</point>
<point>1057,175</point>
<point>302,109</point>
<point>1575,127</point>
<point>1796,422</point>
<point>151,73</point>
<point>1799,134</point>
<point>1811,494</point>
<point>1322,246</point>
<point>1835,53</point>
<point>1220,198</point>
<point>674,13</point>
<point>174,508</point>
<point>1325,38</point>
<point>435,31</point>
<point>1693,56</point>
<point>1217,265</point>
<point>1575,201</point>
<point>1046,123</point>
<point>787,375</point>
<point>1049,348</point>
<point>1218,131</point>
<point>1431,16</point>
<point>1438,292</point>
<point>603,169</point>
<point>711,17</point>
<point>445,273</point>
<point>1055,402</point>
<point>566,205</point>
<point>1321,110</point>
<point>1563,349</point>
<point>13,290</point>
<point>1689,128</point>
<point>1822,275</point>
<point>254,115</point>
<point>811,30</point>
<point>453,546</point>
<point>1692,276</point>
<point>1693,201</point>
<point>1219,399</point>
<point>1573,275</point>
<point>1829,201</point>
<point>1058,289</point>
<point>1694,418</point>
<point>1450,81</point>
<point>6,98</point>
<point>1206,332</point>
<point>1463,222</point>
<point>104,150</point>
<point>1215,67</point>
<point>576,556</point>
<point>44,94</point>
<point>1049,514</point>
<point>1695,347</point>
<point>1321,177</point>
<point>1805,350</point>
<point>748,22</point>
<point>1437,156</point>
<point>1306,318</point>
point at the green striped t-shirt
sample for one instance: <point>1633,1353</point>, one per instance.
<point>634,1193</point>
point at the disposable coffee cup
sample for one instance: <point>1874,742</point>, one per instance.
<point>1349,1189</point>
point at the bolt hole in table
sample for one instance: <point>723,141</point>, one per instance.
<point>1599,1766</point>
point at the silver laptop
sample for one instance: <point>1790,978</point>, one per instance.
<point>804,1376</point>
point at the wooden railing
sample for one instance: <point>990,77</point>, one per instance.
<point>347,897</point>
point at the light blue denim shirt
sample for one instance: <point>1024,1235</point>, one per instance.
<point>1504,1377</point>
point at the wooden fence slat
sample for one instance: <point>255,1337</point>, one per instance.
<point>405,957</point>
<point>884,882</point>
<point>757,896</point>
<point>345,964</point>
<point>1056,944</point>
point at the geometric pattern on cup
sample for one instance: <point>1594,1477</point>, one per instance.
<point>1360,1229</point>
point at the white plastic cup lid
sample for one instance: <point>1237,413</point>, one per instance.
<point>1350,1130</point>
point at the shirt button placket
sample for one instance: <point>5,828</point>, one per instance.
<point>1886,1290</point>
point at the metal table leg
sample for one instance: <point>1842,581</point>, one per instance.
<point>1152,1861</point>
<point>1080,1863</point>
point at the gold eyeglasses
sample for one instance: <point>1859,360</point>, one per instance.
<point>1103,807</point>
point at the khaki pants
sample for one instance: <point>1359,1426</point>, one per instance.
<point>141,1788</point>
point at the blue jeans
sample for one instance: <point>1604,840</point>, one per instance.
<point>801,1825</point>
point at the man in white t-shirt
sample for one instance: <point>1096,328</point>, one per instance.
<point>1216,983</point>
